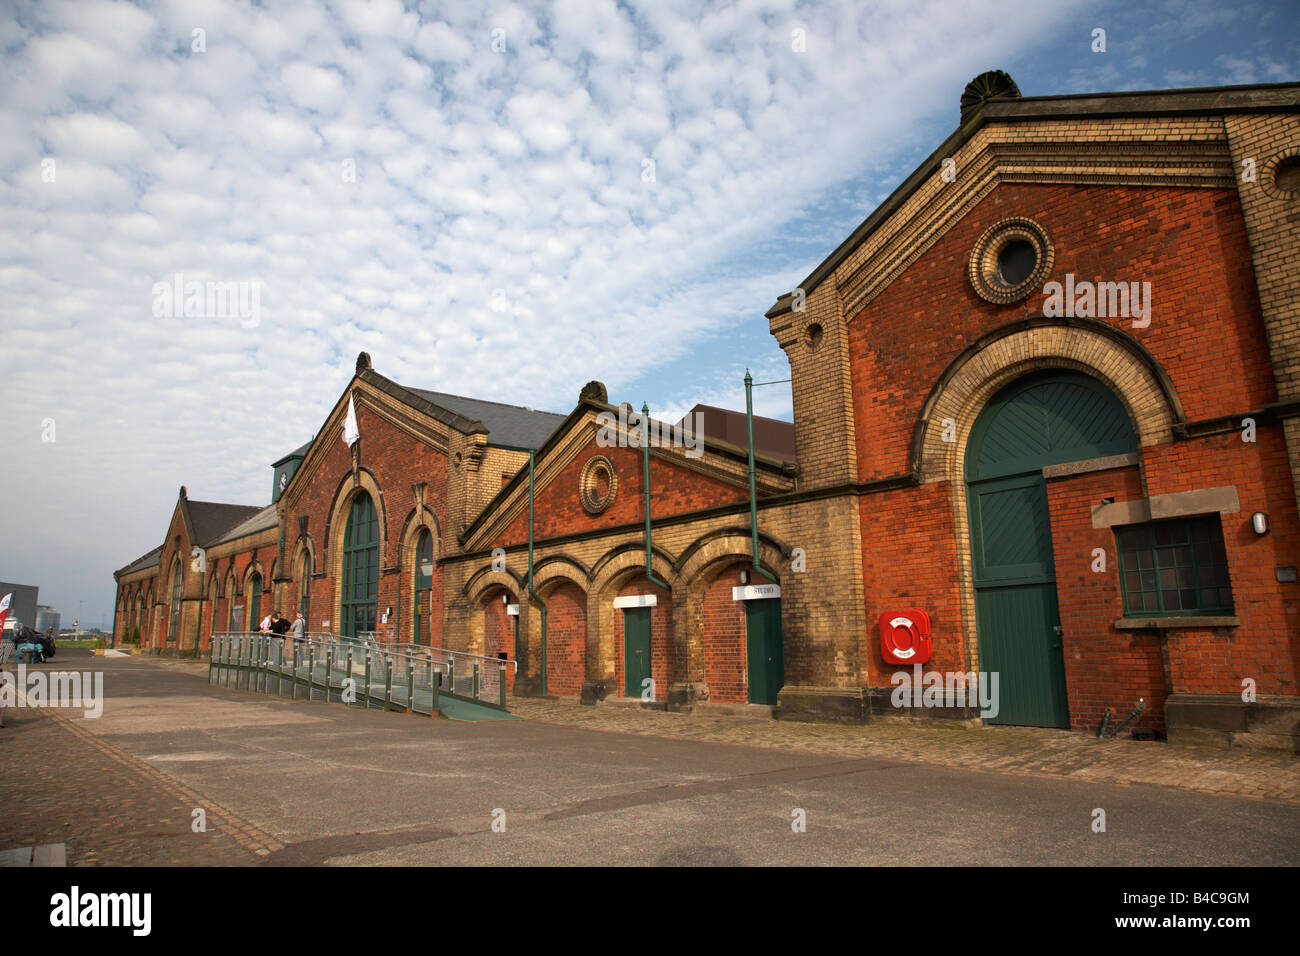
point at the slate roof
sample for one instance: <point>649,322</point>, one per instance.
<point>212,520</point>
<point>144,561</point>
<point>506,424</point>
<point>260,520</point>
<point>299,452</point>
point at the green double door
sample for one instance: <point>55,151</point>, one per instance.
<point>1040,420</point>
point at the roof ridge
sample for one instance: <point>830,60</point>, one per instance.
<point>487,401</point>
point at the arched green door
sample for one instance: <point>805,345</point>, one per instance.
<point>1042,419</point>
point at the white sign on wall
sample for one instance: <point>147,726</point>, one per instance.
<point>512,610</point>
<point>755,592</point>
<point>636,600</point>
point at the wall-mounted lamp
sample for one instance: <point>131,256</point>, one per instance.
<point>505,598</point>
<point>1259,522</point>
<point>744,576</point>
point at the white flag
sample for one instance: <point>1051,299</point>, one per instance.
<point>350,431</point>
<point>4,608</point>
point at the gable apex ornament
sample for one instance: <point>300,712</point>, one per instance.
<point>363,362</point>
<point>990,85</point>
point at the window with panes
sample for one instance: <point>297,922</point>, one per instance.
<point>1174,568</point>
<point>360,567</point>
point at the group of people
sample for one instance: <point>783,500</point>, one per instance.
<point>277,623</point>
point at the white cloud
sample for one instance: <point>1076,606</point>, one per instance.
<point>474,171</point>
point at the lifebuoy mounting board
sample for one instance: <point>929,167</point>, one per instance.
<point>905,636</point>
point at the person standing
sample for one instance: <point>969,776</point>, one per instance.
<point>298,631</point>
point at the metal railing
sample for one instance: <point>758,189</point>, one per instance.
<point>362,671</point>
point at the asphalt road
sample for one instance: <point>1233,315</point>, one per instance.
<point>338,785</point>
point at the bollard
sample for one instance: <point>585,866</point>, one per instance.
<point>349,677</point>
<point>311,673</point>
<point>329,673</point>
<point>367,678</point>
<point>433,688</point>
<point>410,687</point>
<point>388,685</point>
<point>451,676</point>
<point>473,684</point>
<point>502,678</point>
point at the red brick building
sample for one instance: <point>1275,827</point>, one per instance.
<point>1047,394</point>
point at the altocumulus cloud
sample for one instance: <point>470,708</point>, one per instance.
<point>502,234</point>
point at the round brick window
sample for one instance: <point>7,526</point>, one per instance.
<point>1010,261</point>
<point>1286,175</point>
<point>598,485</point>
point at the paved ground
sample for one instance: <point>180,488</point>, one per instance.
<point>292,782</point>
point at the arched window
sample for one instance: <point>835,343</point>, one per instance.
<point>174,621</point>
<point>232,609</point>
<point>423,584</point>
<point>304,585</point>
<point>254,602</point>
<point>360,567</point>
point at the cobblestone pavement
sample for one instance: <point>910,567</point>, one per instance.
<point>1268,775</point>
<point>62,784</point>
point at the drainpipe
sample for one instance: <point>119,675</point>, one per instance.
<point>753,498</point>
<point>198,622</point>
<point>645,458</point>
<point>532,595</point>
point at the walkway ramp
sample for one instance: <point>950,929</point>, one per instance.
<point>363,672</point>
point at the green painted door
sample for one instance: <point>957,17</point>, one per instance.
<point>1015,601</point>
<point>1042,419</point>
<point>763,652</point>
<point>636,650</point>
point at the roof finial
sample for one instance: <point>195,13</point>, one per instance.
<point>363,362</point>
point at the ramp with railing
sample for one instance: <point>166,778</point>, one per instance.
<point>363,672</point>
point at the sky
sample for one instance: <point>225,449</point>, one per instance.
<point>501,200</point>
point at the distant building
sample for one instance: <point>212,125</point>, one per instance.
<point>22,606</point>
<point>47,619</point>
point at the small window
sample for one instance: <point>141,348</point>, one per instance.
<point>1016,262</point>
<point>1174,568</point>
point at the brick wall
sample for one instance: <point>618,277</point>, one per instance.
<point>566,640</point>
<point>722,635</point>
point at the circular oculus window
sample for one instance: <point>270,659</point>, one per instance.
<point>1282,176</point>
<point>598,484</point>
<point>1010,260</point>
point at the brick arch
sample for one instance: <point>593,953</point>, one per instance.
<point>478,589</point>
<point>1107,354</point>
<point>547,572</point>
<point>253,566</point>
<point>1104,353</point>
<point>349,488</point>
<point>567,630</point>
<point>422,518</point>
<point>713,623</point>
<point>615,568</point>
<point>707,551</point>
